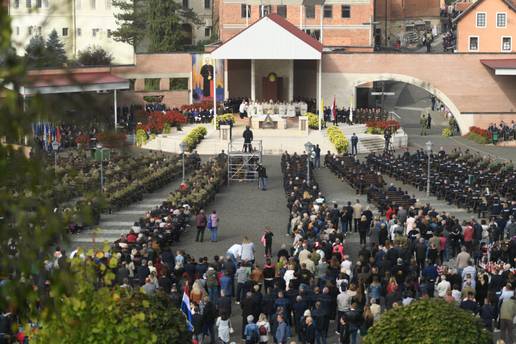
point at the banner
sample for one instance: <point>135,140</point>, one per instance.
<point>203,78</point>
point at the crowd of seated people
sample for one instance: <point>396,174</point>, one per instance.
<point>462,178</point>
<point>198,115</point>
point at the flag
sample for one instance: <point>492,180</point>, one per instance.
<point>185,307</point>
<point>334,110</point>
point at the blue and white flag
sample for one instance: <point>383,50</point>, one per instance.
<point>185,307</point>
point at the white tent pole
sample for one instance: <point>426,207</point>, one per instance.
<point>215,92</point>
<point>319,91</point>
<point>253,86</point>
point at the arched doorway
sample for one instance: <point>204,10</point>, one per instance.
<point>377,79</point>
<point>187,32</point>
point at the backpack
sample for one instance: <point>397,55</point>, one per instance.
<point>262,330</point>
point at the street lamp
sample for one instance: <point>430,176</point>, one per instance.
<point>55,148</point>
<point>99,148</point>
<point>182,148</point>
<point>308,149</point>
<point>429,154</point>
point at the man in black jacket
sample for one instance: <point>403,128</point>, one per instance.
<point>248,138</point>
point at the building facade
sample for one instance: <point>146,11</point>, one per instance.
<point>337,23</point>
<point>80,24</point>
<point>487,26</point>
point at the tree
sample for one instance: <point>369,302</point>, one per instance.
<point>35,52</point>
<point>56,56</point>
<point>426,321</point>
<point>156,22</point>
<point>95,56</point>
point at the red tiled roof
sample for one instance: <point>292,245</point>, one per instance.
<point>462,6</point>
<point>285,24</point>
<point>296,31</point>
<point>500,63</point>
<point>71,79</point>
<point>510,3</point>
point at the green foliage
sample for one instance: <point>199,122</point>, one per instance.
<point>226,119</point>
<point>141,137</point>
<point>423,321</point>
<point>477,138</point>
<point>338,139</point>
<point>95,56</point>
<point>35,52</point>
<point>447,132</point>
<point>313,120</point>
<point>194,137</point>
<point>153,22</point>
<point>167,129</point>
<point>374,131</point>
<point>56,55</point>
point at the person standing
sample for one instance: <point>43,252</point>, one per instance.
<point>354,144</point>
<point>267,241</point>
<point>317,151</point>
<point>282,330</point>
<point>247,251</point>
<point>363,229</point>
<point>248,139</point>
<point>507,313</point>
<point>200,222</point>
<point>429,121</point>
<point>213,225</point>
<point>242,109</point>
<point>423,124</point>
<point>357,214</point>
<point>223,328</point>
<point>262,177</point>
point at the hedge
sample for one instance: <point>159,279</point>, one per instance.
<point>194,137</point>
<point>427,321</point>
<point>313,120</point>
<point>226,119</point>
<point>338,139</point>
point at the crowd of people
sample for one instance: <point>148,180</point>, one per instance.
<point>502,131</point>
<point>354,116</point>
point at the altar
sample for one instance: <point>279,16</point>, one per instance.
<point>268,121</point>
<point>292,109</point>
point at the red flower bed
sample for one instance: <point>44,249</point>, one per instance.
<point>156,120</point>
<point>206,105</point>
<point>82,139</point>
<point>482,132</point>
<point>384,124</point>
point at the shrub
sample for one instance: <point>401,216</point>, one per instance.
<point>477,138</point>
<point>313,120</point>
<point>447,132</point>
<point>206,105</point>
<point>141,137</point>
<point>194,138</point>
<point>338,139</point>
<point>226,119</point>
<point>422,321</point>
<point>82,139</point>
<point>481,132</point>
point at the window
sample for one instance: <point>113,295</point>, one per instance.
<point>282,10</point>
<point>94,32</point>
<point>265,10</point>
<point>506,44</point>
<point>28,3</point>
<point>186,5</point>
<point>39,3</point>
<point>16,3</point>
<point>501,20</point>
<point>131,84</point>
<point>179,84</point>
<point>245,11</point>
<point>328,11</point>
<point>93,4</point>
<point>473,43</point>
<point>481,19</point>
<point>313,33</point>
<point>108,4</point>
<point>151,84</point>
<point>207,31</point>
<point>65,31</point>
<point>346,11</point>
<point>207,4</point>
<point>310,11</point>
<point>79,32</point>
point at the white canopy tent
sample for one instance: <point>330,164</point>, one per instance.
<point>270,38</point>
